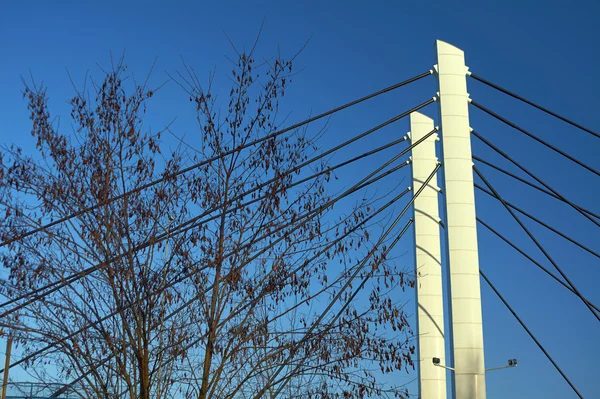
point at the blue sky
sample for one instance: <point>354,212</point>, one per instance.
<point>548,54</point>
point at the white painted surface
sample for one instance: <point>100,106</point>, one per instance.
<point>428,262</point>
<point>463,262</point>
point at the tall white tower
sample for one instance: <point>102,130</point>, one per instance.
<point>428,262</point>
<point>460,226</point>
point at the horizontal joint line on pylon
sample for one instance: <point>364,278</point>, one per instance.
<point>452,73</point>
<point>464,348</point>
<point>470,299</point>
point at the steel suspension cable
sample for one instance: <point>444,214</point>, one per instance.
<point>540,222</point>
<point>537,243</point>
<point>542,189</point>
<point>534,137</point>
<point>522,323</point>
<point>216,157</point>
<point>536,263</point>
<point>526,101</point>
<point>533,176</point>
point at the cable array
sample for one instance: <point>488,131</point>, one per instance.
<point>537,342</point>
<point>536,263</point>
<point>540,222</point>
<point>526,101</point>
<point>360,267</point>
<point>369,179</point>
<point>520,179</point>
<point>194,222</point>
<point>533,176</point>
<point>536,138</point>
<point>543,187</point>
<point>208,215</point>
<point>197,296</point>
<point>537,243</point>
<point>220,156</point>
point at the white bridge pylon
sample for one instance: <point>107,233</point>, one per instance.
<point>428,261</point>
<point>466,356</point>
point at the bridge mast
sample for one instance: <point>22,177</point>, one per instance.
<point>430,301</point>
<point>460,225</point>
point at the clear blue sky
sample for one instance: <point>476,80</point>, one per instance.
<point>549,54</point>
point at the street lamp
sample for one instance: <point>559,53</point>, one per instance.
<point>511,363</point>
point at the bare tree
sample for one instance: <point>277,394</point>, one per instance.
<point>255,298</point>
